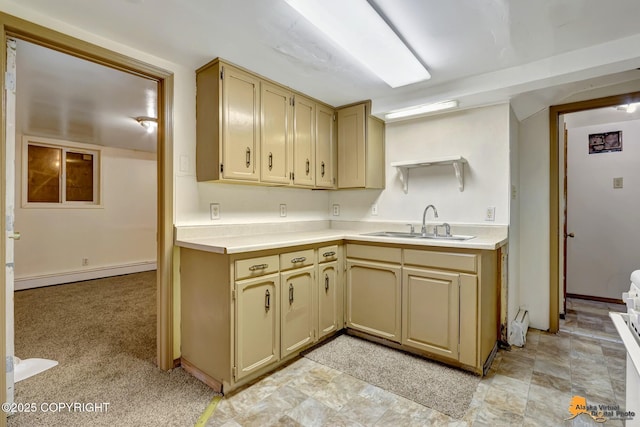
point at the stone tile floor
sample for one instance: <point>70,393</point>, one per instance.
<point>528,386</point>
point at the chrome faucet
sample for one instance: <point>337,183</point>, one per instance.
<point>423,231</point>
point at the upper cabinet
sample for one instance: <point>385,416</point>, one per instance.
<point>325,147</point>
<point>227,124</point>
<point>253,130</point>
<point>304,141</point>
<point>360,148</point>
<point>276,128</point>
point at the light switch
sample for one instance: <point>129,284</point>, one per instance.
<point>617,182</point>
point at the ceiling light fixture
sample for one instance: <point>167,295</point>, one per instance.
<point>629,108</point>
<point>361,31</point>
<point>421,109</point>
<point>149,123</point>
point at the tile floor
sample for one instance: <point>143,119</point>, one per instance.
<point>529,386</point>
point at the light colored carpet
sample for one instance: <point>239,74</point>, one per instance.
<point>445,389</point>
<point>103,334</point>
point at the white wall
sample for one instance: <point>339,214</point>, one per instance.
<point>534,204</point>
<point>121,233</point>
<point>604,252</point>
<point>533,140</point>
<point>245,204</point>
<point>513,273</point>
<point>480,135</point>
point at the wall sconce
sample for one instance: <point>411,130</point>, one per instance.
<point>149,123</point>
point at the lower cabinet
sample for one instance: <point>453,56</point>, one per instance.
<point>330,291</point>
<point>296,304</point>
<point>430,317</point>
<point>439,302</point>
<point>374,291</point>
<point>257,341</point>
<point>244,314</point>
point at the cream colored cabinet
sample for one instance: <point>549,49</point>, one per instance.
<point>244,314</point>
<point>227,123</point>
<point>330,299</point>
<point>450,304</point>
<point>430,311</point>
<point>276,134</point>
<point>325,147</point>
<point>374,290</point>
<point>297,328</point>
<point>257,324</point>
<point>304,141</point>
<point>250,129</point>
<point>360,148</point>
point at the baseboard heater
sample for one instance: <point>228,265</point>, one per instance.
<point>519,327</point>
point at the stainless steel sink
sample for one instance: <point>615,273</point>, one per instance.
<point>407,235</point>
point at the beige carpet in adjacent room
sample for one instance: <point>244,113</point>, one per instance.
<point>103,334</point>
<point>445,389</point>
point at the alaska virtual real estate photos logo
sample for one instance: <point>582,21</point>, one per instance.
<point>599,413</point>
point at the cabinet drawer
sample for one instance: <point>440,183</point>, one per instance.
<point>254,267</point>
<point>444,260</point>
<point>376,253</point>
<point>327,253</point>
<point>297,259</point>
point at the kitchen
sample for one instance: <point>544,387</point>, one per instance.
<point>486,136</point>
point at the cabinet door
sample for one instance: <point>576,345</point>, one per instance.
<point>325,147</point>
<point>328,298</point>
<point>374,298</point>
<point>304,135</point>
<point>257,324</point>
<point>275,134</point>
<point>351,146</point>
<point>430,301</point>
<point>296,305</point>
<point>240,124</point>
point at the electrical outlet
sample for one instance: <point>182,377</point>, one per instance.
<point>374,209</point>
<point>85,261</point>
<point>491,214</point>
<point>214,208</point>
<point>283,210</point>
<point>336,210</point>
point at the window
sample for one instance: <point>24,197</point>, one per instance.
<point>60,174</point>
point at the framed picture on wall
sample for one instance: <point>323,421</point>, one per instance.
<point>605,142</point>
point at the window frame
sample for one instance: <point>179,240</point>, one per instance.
<point>64,146</point>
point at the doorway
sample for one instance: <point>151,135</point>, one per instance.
<point>557,233</point>
<point>18,28</point>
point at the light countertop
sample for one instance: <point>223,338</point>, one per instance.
<point>233,244</point>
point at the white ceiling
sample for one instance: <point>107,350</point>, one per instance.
<point>532,53</point>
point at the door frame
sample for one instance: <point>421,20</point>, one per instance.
<point>11,26</point>
<point>555,248</point>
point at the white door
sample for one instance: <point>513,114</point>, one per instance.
<point>10,139</point>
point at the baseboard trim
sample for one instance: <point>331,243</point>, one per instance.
<point>78,276</point>
<point>592,298</point>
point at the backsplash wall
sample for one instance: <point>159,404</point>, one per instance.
<point>480,135</point>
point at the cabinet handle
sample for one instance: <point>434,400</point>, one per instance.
<point>290,293</point>
<point>326,283</point>
<point>267,300</point>
<point>307,168</point>
<point>322,169</point>
<point>329,254</point>
<point>270,161</point>
<point>248,154</point>
<point>299,259</point>
<point>258,267</point>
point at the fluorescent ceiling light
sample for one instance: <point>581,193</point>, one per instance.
<point>629,108</point>
<point>421,109</point>
<point>357,28</point>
